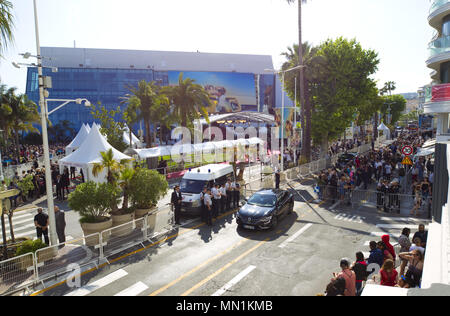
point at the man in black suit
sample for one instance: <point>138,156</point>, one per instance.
<point>176,202</point>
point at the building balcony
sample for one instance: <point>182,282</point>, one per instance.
<point>439,9</point>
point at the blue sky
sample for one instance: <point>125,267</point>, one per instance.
<point>396,29</point>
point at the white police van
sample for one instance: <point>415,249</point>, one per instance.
<point>195,180</point>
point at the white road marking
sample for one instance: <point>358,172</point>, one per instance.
<point>397,226</point>
<point>85,290</point>
<point>234,281</point>
<point>379,234</point>
<point>301,231</point>
<point>133,290</point>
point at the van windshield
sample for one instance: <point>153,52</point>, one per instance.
<point>192,186</point>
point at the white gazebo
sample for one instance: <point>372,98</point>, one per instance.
<point>78,140</point>
<point>89,153</point>
<point>135,142</point>
<point>386,131</point>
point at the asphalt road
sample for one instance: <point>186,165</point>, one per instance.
<point>295,259</point>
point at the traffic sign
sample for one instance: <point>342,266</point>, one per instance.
<point>407,161</point>
<point>407,150</point>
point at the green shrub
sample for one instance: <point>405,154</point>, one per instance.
<point>94,201</point>
<point>30,246</point>
<point>26,185</point>
<point>147,187</point>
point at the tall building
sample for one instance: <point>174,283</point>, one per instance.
<point>437,103</point>
<point>235,82</point>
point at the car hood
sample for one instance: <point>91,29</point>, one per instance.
<point>255,211</point>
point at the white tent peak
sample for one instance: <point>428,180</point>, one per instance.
<point>89,152</point>
<point>78,140</point>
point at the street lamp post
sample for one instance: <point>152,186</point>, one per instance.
<point>283,73</point>
<point>48,177</point>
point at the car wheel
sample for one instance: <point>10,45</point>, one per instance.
<point>274,222</point>
<point>291,209</point>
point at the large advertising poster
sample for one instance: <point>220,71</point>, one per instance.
<point>229,92</point>
<point>291,133</point>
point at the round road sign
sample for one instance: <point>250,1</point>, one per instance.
<point>407,150</point>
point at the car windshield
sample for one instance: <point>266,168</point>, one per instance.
<point>192,186</point>
<point>264,200</point>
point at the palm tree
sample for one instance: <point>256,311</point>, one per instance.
<point>388,86</point>
<point>6,24</point>
<point>146,97</point>
<point>124,182</point>
<point>304,102</point>
<point>112,166</point>
<point>189,101</point>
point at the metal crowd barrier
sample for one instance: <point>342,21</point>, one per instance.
<point>28,270</point>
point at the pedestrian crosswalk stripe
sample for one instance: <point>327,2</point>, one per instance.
<point>396,226</point>
<point>89,288</point>
<point>379,234</point>
<point>406,219</point>
<point>133,290</point>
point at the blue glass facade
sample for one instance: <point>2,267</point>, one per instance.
<point>108,86</point>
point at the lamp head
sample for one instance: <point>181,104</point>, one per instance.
<point>16,65</point>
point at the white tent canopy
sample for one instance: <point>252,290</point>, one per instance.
<point>385,130</point>
<point>89,154</point>
<point>196,148</point>
<point>78,140</point>
<point>88,127</point>
<point>425,152</point>
<point>136,143</point>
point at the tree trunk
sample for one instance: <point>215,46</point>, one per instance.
<point>324,147</point>
<point>148,134</point>
<point>11,229</point>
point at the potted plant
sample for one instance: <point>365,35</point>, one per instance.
<point>146,189</point>
<point>94,201</point>
<point>126,214</point>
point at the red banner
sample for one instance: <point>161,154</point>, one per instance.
<point>440,93</point>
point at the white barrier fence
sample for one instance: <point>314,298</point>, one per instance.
<point>25,271</point>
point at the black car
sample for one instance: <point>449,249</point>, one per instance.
<point>264,209</point>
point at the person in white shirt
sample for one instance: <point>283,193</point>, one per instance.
<point>223,198</point>
<point>208,205</point>
<point>215,200</point>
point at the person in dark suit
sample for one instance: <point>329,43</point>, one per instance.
<point>59,188</point>
<point>176,202</point>
<point>60,225</point>
<point>277,178</point>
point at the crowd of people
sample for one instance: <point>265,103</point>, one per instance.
<point>61,183</point>
<point>28,153</point>
<point>384,266</point>
<point>381,171</point>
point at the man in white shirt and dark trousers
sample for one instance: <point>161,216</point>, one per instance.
<point>215,200</point>
<point>203,205</point>
<point>223,199</point>
<point>229,193</point>
<point>208,207</point>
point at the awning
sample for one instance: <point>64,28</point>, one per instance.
<point>424,152</point>
<point>256,117</point>
<point>429,143</point>
<point>191,149</point>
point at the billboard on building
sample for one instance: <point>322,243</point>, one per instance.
<point>229,92</point>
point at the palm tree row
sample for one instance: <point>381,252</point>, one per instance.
<point>180,104</point>
<point>17,115</point>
